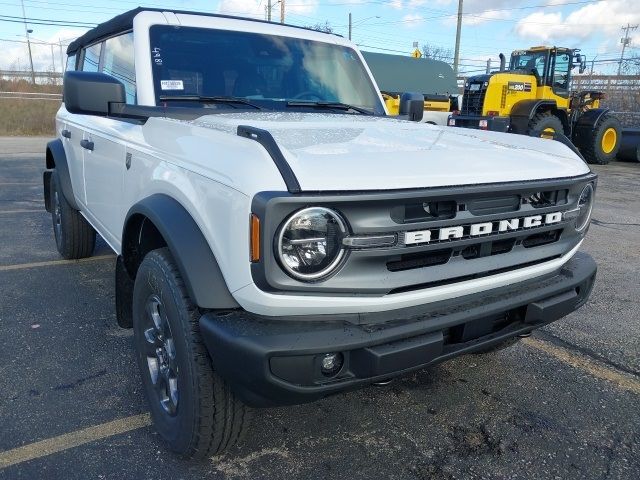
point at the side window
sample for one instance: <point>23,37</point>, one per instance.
<point>539,65</point>
<point>71,62</point>
<point>91,60</point>
<point>561,72</point>
<point>118,62</point>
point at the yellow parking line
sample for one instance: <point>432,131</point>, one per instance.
<point>621,380</point>
<point>74,439</point>
<point>20,266</point>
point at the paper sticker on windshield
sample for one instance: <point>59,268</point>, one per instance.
<point>171,85</point>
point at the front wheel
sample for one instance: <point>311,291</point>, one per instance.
<point>192,408</point>
<point>545,125</point>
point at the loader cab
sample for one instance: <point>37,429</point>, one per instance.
<point>552,68</point>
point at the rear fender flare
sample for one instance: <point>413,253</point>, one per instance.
<point>582,132</point>
<point>590,117</point>
<point>56,159</point>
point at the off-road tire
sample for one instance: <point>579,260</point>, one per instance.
<point>75,237</point>
<point>208,417</point>
<point>592,150</point>
<point>542,121</point>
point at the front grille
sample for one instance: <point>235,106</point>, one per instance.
<point>544,238</point>
<point>463,278</point>
<point>479,250</point>
<point>473,100</point>
<point>420,260</point>
<point>547,199</point>
<point>413,212</point>
<point>487,248</point>
<point>490,205</point>
<point>441,235</point>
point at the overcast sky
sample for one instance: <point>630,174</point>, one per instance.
<point>489,26</point>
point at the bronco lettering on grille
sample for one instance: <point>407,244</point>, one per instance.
<point>478,229</point>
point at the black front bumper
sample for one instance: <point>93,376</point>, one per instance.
<point>277,361</point>
<point>495,124</point>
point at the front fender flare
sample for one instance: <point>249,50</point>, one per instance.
<point>523,111</point>
<point>195,260</point>
<point>56,158</point>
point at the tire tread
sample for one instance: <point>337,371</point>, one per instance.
<point>542,116</point>
<point>222,417</point>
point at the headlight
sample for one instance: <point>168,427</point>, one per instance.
<point>309,243</point>
<point>585,206</point>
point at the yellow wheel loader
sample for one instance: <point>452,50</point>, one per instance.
<point>533,97</point>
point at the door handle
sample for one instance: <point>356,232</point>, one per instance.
<point>66,133</point>
<point>86,144</point>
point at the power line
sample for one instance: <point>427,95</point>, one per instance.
<point>48,23</point>
<point>45,22</point>
<point>30,19</point>
<point>56,7</point>
<point>36,42</point>
<point>478,15</point>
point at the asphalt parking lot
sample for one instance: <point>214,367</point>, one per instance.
<point>564,403</point>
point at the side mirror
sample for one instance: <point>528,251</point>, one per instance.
<point>583,63</point>
<point>412,104</point>
<point>579,61</point>
<point>90,93</point>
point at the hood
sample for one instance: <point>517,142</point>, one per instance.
<point>354,152</point>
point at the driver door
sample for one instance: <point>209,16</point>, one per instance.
<point>104,151</point>
<point>560,75</point>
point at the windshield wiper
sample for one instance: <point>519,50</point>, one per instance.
<point>329,105</point>
<point>233,101</point>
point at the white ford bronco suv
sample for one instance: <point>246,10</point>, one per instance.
<point>279,238</point>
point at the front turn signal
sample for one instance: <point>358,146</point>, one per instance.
<point>254,236</point>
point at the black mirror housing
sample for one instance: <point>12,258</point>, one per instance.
<point>89,93</point>
<point>583,63</point>
<point>412,105</point>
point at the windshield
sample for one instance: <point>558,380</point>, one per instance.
<point>529,61</point>
<point>267,70</point>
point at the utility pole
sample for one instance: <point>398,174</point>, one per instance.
<point>62,63</point>
<point>488,65</point>
<point>349,25</point>
<point>281,11</point>
<point>456,55</point>
<point>26,31</point>
<point>625,41</point>
<point>269,11</point>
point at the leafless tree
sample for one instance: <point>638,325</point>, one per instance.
<point>321,27</point>
<point>436,52</point>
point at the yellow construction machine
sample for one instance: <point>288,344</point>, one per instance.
<point>534,97</point>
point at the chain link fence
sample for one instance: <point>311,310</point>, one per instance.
<point>48,60</point>
<point>622,94</point>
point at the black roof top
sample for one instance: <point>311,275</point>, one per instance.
<point>124,22</point>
